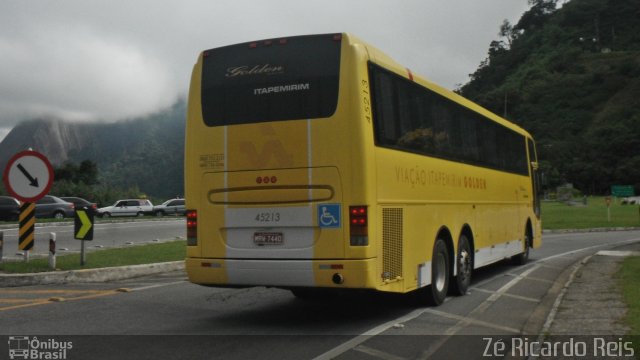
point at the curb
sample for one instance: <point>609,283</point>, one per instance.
<point>554,309</point>
<point>555,298</point>
<point>589,230</point>
<point>540,316</point>
<point>544,314</point>
<point>14,226</point>
<point>89,275</point>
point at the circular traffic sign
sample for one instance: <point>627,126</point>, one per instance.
<point>28,176</point>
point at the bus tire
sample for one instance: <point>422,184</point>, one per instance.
<point>464,267</point>
<point>312,294</point>
<point>523,257</point>
<point>437,291</point>
<point>303,293</point>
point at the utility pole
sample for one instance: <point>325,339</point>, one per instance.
<point>505,104</point>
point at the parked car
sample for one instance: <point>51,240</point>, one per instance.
<point>54,207</point>
<point>128,207</point>
<point>9,208</point>
<point>170,207</point>
<point>81,203</point>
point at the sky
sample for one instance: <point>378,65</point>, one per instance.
<point>107,60</point>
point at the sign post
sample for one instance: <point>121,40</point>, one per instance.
<point>608,201</point>
<point>83,229</point>
<point>28,177</point>
<point>52,251</point>
<point>26,231</point>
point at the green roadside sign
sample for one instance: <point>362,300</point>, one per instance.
<point>622,190</point>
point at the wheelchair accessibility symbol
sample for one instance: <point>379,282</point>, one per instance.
<point>329,215</point>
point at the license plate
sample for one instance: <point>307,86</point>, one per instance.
<point>268,238</point>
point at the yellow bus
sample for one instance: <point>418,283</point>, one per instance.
<point>319,162</point>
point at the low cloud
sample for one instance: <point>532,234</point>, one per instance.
<point>86,76</point>
<point>99,60</point>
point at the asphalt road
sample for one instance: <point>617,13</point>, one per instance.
<point>189,321</point>
<point>105,235</point>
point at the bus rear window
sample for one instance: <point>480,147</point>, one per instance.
<point>271,80</point>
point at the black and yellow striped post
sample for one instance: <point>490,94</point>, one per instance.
<point>27,228</point>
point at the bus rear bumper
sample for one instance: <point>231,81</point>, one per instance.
<point>283,273</point>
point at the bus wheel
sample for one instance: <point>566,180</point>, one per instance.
<point>523,257</point>
<point>464,267</point>
<point>437,291</point>
<point>312,294</point>
<point>303,293</point>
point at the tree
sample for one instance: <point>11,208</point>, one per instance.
<point>509,32</point>
<point>88,172</point>
<point>67,172</point>
<point>537,15</point>
<point>580,106</point>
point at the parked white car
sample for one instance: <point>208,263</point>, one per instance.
<point>170,207</point>
<point>128,207</point>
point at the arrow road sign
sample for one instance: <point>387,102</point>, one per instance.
<point>33,182</point>
<point>83,229</point>
<point>28,176</point>
<point>83,224</point>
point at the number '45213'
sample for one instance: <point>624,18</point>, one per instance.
<point>268,217</point>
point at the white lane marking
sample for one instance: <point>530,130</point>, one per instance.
<point>533,278</point>
<point>155,286</point>
<point>473,321</point>
<point>618,253</point>
<point>377,353</point>
<point>523,298</point>
<point>468,320</point>
<point>344,347</point>
<point>490,300</point>
<point>622,242</point>
<point>414,314</point>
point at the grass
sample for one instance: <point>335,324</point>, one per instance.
<point>134,255</point>
<point>557,215</point>
<point>629,280</point>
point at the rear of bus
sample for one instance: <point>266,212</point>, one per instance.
<point>276,176</point>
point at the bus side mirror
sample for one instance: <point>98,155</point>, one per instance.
<point>534,165</point>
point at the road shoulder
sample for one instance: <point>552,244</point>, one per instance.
<point>89,275</point>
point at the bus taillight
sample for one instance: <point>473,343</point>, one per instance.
<point>192,227</point>
<point>358,225</point>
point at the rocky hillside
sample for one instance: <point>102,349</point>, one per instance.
<point>53,137</point>
<point>144,152</point>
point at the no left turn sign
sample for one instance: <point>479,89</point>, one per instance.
<point>28,176</point>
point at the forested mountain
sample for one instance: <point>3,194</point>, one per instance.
<point>571,76</point>
<point>143,153</point>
